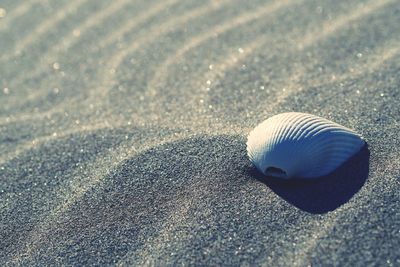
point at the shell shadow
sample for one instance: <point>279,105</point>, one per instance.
<point>325,193</point>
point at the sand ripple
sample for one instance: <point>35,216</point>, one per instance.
<point>123,123</point>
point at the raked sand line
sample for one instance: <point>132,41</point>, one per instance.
<point>96,19</point>
<point>230,61</point>
<point>33,143</point>
<point>101,167</point>
<point>93,21</point>
<point>332,26</point>
<point>38,142</point>
<point>369,66</point>
<point>114,61</point>
<point>322,230</point>
<point>19,11</point>
<point>176,219</point>
<point>162,72</point>
<point>133,24</point>
<point>201,127</point>
<point>45,26</point>
<point>117,59</point>
<point>374,62</point>
<point>24,117</point>
<point>328,28</point>
<point>64,44</point>
<point>216,72</point>
<point>150,35</point>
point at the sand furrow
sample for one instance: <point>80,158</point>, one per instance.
<point>45,26</point>
<point>162,72</point>
<point>51,56</point>
<point>327,29</point>
<point>104,166</point>
<point>19,11</point>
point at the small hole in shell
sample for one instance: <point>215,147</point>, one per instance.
<point>275,172</point>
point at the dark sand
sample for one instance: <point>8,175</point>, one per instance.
<point>123,126</point>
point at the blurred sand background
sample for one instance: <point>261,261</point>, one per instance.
<point>123,126</point>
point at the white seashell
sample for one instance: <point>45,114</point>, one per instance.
<point>301,145</point>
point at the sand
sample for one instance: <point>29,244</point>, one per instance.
<point>123,127</point>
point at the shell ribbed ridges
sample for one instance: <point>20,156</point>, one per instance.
<point>301,145</point>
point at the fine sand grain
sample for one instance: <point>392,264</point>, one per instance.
<point>123,127</point>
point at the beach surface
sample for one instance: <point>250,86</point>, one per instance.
<point>123,127</point>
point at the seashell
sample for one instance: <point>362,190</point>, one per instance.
<point>301,145</point>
